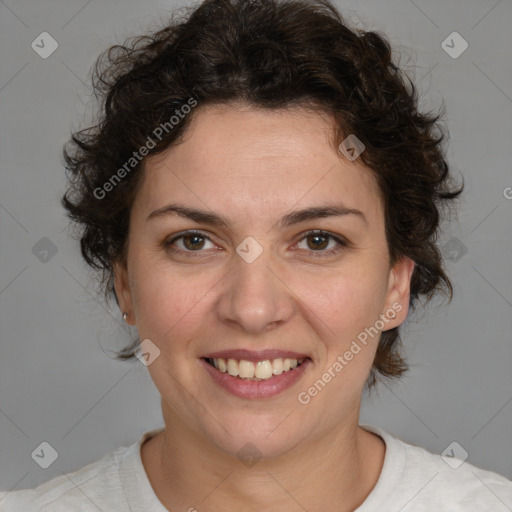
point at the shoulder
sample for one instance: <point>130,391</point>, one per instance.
<point>446,479</point>
<point>91,487</point>
<point>422,481</point>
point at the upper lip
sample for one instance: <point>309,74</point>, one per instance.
<point>255,355</point>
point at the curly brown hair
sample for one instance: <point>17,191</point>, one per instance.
<point>269,54</point>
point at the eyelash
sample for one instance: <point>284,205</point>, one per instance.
<point>317,254</point>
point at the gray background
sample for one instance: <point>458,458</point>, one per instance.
<point>59,382</point>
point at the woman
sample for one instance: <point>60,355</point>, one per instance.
<point>263,198</point>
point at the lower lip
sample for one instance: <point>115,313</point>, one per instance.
<point>255,389</point>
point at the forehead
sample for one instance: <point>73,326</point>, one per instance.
<point>255,161</point>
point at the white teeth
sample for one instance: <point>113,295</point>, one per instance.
<point>222,365</point>
<point>246,369</point>
<point>277,366</point>
<point>233,367</point>
<point>261,370</point>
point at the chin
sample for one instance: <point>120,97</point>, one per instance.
<point>256,435</point>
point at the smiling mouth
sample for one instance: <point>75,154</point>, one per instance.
<point>257,370</point>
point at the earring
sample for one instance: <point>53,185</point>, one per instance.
<point>125,316</point>
<point>394,314</point>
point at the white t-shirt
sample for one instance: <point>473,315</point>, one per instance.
<point>412,480</point>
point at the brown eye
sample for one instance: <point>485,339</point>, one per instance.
<point>319,241</point>
<point>193,241</point>
<point>188,242</point>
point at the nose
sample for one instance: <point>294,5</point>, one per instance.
<point>256,296</point>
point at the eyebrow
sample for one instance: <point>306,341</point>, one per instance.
<point>296,217</point>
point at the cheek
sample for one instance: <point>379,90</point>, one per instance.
<point>169,304</point>
<point>348,301</point>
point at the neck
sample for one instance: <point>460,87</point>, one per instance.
<point>334,473</point>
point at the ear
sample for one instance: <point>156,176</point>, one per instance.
<point>399,290</point>
<point>123,292</point>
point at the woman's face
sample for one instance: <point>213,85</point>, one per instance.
<point>258,287</point>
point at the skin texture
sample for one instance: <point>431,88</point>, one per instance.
<point>253,166</point>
